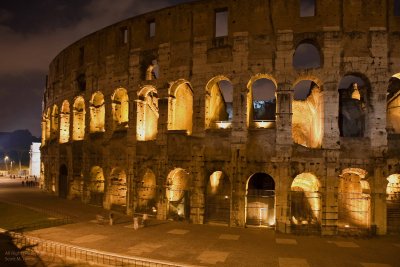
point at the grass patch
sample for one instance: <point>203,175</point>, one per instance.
<point>14,217</point>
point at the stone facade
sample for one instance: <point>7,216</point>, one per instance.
<point>136,122</point>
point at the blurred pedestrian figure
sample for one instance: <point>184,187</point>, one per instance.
<point>145,220</point>
<point>135,223</point>
<point>111,217</point>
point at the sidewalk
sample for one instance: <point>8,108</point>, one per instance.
<point>204,245</point>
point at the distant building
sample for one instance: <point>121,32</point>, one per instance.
<point>34,163</point>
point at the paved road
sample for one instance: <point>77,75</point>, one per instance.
<point>204,245</point>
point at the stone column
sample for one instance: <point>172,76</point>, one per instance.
<point>282,210</point>
<point>376,125</point>
<point>284,139</point>
<point>378,198</point>
<point>197,198</point>
<point>199,81</point>
<point>237,164</point>
<point>131,195</point>
<point>331,135</point>
<point>330,197</point>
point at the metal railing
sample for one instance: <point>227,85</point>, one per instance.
<point>80,254</point>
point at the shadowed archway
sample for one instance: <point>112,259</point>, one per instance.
<point>260,200</point>
<point>63,181</point>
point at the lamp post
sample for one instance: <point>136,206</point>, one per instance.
<point>5,162</point>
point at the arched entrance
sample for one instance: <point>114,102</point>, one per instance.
<point>147,190</point>
<point>180,107</point>
<point>147,114</point>
<point>63,182</point>
<point>178,195</point>
<point>393,204</point>
<point>354,93</point>
<point>218,198</point>
<point>219,103</point>
<point>305,203</point>
<point>354,200</point>
<point>96,186</point>
<point>260,200</point>
<point>117,189</point>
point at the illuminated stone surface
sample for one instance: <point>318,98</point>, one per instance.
<point>159,115</point>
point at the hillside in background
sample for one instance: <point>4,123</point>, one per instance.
<point>16,146</point>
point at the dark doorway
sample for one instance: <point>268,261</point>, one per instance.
<point>63,182</point>
<point>260,200</point>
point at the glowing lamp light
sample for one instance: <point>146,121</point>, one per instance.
<point>264,124</point>
<point>347,226</point>
<point>223,124</point>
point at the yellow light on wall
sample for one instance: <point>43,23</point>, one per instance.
<point>223,124</point>
<point>264,124</point>
<point>214,181</point>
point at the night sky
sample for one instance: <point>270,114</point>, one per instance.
<point>32,33</point>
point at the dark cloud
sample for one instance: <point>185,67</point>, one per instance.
<point>5,15</point>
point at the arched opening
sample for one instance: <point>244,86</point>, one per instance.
<point>353,199</point>
<point>63,181</point>
<point>96,186</point>
<point>147,114</point>
<point>262,102</point>
<point>147,192</point>
<point>64,122</point>
<point>180,106</point>
<point>152,71</point>
<point>218,198</point>
<point>353,95</point>
<point>219,103</point>
<point>178,195</point>
<point>393,204</point>
<point>305,203</point>
<point>97,113</point>
<point>308,114</point>
<point>120,109</point>
<point>260,200</point>
<point>306,56</point>
<point>117,189</point>
<point>54,122</point>
<point>393,105</point>
<point>78,132</point>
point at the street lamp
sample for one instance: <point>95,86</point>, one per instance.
<point>5,162</point>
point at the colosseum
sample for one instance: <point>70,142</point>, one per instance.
<point>254,113</point>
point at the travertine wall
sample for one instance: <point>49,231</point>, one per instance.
<point>353,37</point>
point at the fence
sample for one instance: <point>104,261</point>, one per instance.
<point>393,213</point>
<point>260,209</point>
<point>79,254</point>
<point>305,211</point>
<point>217,208</point>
